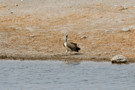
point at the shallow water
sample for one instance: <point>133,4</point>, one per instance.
<point>58,75</point>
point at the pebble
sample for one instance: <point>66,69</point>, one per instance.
<point>123,7</point>
<point>32,36</point>
<point>126,29</point>
<point>16,5</point>
<point>11,12</point>
<point>105,53</point>
<point>83,37</point>
<point>29,29</point>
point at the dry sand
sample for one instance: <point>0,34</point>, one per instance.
<point>36,29</point>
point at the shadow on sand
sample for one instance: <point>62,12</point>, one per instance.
<point>72,54</point>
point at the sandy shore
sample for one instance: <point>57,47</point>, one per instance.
<point>36,29</point>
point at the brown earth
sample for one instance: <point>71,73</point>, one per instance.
<point>36,29</point>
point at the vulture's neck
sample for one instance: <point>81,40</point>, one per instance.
<point>66,39</point>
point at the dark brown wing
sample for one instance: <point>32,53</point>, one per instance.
<point>73,43</point>
<point>73,46</point>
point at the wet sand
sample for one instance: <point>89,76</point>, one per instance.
<point>36,29</point>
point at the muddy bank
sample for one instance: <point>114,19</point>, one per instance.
<point>76,57</point>
<point>29,32</point>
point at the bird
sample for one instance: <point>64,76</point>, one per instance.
<point>70,46</point>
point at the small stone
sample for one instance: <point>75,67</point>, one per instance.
<point>116,5</point>
<point>123,8</point>
<point>102,33</point>
<point>11,12</point>
<point>32,36</point>
<point>29,29</point>
<point>16,5</point>
<point>105,53</point>
<point>119,59</point>
<point>127,29</point>
<point>97,38</point>
<point>83,37</point>
<point>107,31</point>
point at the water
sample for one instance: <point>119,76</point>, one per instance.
<point>58,75</point>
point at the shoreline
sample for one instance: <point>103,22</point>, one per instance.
<point>62,57</point>
<point>101,29</point>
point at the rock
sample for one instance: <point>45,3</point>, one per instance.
<point>11,12</point>
<point>32,35</point>
<point>29,29</point>
<point>108,31</point>
<point>16,5</point>
<point>105,53</point>
<point>83,37</point>
<point>127,29</point>
<point>123,8</point>
<point>102,33</point>
<point>119,59</point>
